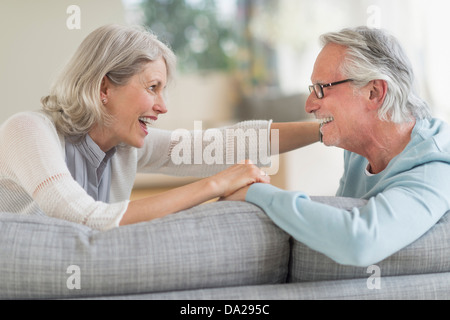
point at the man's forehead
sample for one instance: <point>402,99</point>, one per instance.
<point>328,62</point>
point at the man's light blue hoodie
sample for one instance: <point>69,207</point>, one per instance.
<point>404,202</point>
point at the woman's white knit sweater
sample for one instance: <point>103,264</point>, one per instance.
<point>34,177</point>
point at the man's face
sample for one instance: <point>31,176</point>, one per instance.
<point>341,108</point>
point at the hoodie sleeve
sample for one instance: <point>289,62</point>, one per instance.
<point>389,221</point>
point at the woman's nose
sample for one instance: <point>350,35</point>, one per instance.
<point>160,105</point>
<point>160,108</point>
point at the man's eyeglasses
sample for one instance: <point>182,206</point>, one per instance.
<point>318,88</point>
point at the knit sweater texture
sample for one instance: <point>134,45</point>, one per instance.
<point>34,178</point>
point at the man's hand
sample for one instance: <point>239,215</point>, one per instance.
<point>239,195</point>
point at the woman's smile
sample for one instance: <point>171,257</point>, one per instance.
<point>146,121</point>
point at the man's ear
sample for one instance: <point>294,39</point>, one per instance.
<point>377,93</point>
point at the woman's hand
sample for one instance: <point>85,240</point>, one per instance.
<point>223,184</point>
<point>237,177</point>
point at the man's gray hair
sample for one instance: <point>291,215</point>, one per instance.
<point>373,54</point>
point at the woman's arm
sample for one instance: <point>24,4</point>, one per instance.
<point>294,135</point>
<point>33,159</point>
<point>222,184</point>
<point>163,146</point>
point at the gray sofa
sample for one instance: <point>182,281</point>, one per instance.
<point>221,250</point>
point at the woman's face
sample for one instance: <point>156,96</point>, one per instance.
<point>133,107</point>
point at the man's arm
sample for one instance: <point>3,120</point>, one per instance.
<point>363,236</point>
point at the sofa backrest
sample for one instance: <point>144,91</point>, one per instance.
<point>220,244</point>
<point>429,254</point>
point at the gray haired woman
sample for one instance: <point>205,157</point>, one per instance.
<point>77,158</point>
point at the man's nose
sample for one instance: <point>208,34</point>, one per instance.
<point>311,105</point>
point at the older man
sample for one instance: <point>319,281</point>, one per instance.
<point>397,156</point>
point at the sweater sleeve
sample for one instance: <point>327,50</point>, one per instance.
<point>34,159</point>
<point>202,153</point>
<point>390,221</point>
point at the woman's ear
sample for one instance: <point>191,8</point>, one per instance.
<point>377,93</point>
<point>104,90</point>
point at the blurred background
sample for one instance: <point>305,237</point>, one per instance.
<point>238,60</point>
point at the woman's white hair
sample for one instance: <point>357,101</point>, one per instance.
<point>373,54</point>
<point>119,52</point>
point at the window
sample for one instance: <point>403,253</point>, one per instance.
<point>271,45</point>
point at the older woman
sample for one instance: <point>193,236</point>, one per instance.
<point>78,157</point>
<point>397,156</point>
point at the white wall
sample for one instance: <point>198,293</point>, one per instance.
<point>209,97</point>
<point>35,43</point>
<point>315,169</point>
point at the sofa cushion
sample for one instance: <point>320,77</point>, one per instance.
<point>429,254</point>
<point>213,245</point>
